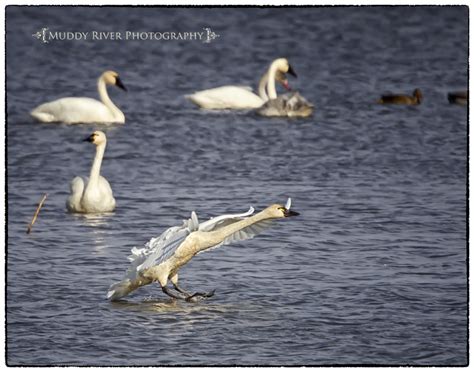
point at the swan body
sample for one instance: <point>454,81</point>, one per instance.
<point>93,194</point>
<point>290,105</point>
<point>401,99</point>
<point>74,110</point>
<point>241,97</point>
<point>226,97</point>
<point>162,257</point>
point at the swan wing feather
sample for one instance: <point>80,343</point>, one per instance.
<point>72,110</point>
<point>230,96</point>
<point>246,233</point>
<point>159,249</point>
<point>223,220</point>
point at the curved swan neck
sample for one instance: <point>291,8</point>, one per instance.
<point>95,170</point>
<point>262,87</point>
<point>217,236</point>
<point>104,97</point>
<point>271,89</point>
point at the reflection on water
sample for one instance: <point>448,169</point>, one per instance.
<point>173,305</point>
<point>94,220</point>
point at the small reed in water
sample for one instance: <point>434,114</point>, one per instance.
<point>35,216</point>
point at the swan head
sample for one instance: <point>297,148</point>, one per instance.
<point>284,66</point>
<point>280,211</point>
<point>97,138</point>
<point>112,78</point>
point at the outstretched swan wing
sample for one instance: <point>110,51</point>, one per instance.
<point>161,248</point>
<point>225,219</point>
<point>243,234</point>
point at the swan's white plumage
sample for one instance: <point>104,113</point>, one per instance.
<point>93,194</point>
<point>242,97</point>
<point>161,257</point>
<point>159,249</point>
<point>226,97</point>
<point>73,110</point>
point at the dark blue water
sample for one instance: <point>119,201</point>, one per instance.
<point>373,271</point>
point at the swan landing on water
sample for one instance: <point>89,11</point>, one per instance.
<point>162,257</point>
<point>93,195</point>
<point>239,97</point>
<point>74,110</point>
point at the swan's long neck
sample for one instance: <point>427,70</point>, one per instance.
<point>104,97</point>
<point>271,89</point>
<point>262,87</point>
<point>218,236</point>
<point>95,170</point>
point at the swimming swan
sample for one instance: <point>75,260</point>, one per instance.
<point>401,99</point>
<point>238,97</point>
<point>162,257</point>
<point>73,110</point>
<point>93,195</point>
<point>290,105</point>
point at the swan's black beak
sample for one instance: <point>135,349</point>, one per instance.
<point>290,213</point>
<point>291,71</point>
<point>119,83</point>
<point>90,138</point>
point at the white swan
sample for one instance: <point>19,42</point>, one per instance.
<point>93,194</point>
<point>162,257</point>
<point>73,110</point>
<point>238,97</point>
<point>289,105</point>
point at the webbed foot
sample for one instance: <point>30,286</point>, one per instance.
<point>199,296</point>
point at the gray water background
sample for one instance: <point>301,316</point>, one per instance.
<point>374,269</point>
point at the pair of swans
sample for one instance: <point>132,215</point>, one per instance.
<point>93,194</point>
<point>162,257</point>
<point>240,97</point>
<point>74,110</point>
<point>267,102</point>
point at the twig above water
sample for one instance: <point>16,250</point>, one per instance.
<point>35,216</point>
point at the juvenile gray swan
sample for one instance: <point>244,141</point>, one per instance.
<point>289,105</point>
<point>162,257</point>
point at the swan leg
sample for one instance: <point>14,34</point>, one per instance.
<point>169,292</point>
<point>174,281</point>
<point>181,290</point>
<point>196,297</point>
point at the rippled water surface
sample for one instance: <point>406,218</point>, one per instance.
<point>373,271</point>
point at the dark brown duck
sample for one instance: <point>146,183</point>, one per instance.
<point>459,98</point>
<point>401,99</point>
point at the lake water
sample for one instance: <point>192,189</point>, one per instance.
<point>374,269</point>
